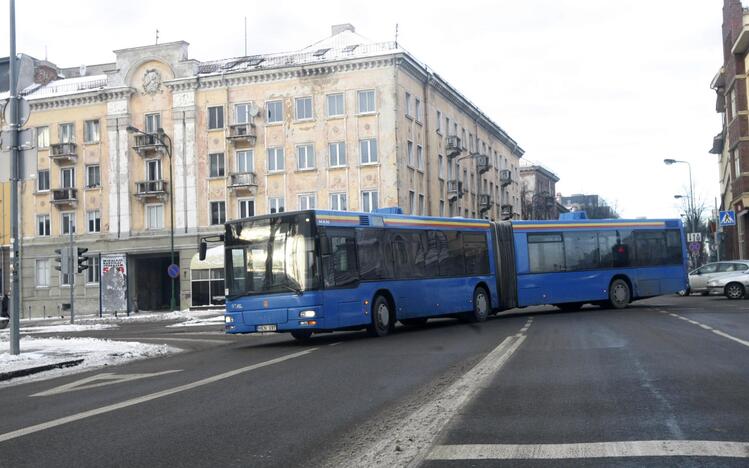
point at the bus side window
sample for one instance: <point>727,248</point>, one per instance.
<point>340,265</point>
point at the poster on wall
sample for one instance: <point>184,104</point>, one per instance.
<point>113,283</point>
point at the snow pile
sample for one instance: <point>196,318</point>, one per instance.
<point>94,352</point>
<point>65,328</point>
<point>200,322</point>
<point>186,314</point>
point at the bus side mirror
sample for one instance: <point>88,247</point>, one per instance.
<point>325,246</point>
<point>202,249</point>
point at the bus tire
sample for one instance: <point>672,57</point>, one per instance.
<point>481,305</point>
<point>734,290</point>
<point>383,317</point>
<point>569,306</point>
<point>301,335</point>
<point>414,322</point>
<point>619,294</point>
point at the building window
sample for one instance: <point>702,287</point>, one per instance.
<point>154,217</point>
<point>207,287</point>
<point>68,223</point>
<point>94,271</point>
<point>733,103</point>
<point>441,166</point>
<point>67,177</point>
<point>153,123</point>
<point>418,110</point>
<point>153,169</point>
<point>410,153</point>
<point>307,201</point>
<point>420,157</point>
<point>94,221</point>
<point>93,176</point>
<point>421,205</point>
<point>42,180</point>
<point>366,101</point>
<point>411,202</point>
<point>369,200</point>
<point>43,225</point>
<point>368,150</point>
<point>215,117</point>
<point>242,113</point>
<point>338,201</point>
<point>303,108</point>
<point>737,162</point>
<point>218,212</point>
<point>42,273</point>
<point>274,111</point>
<point>438,121</point>
<point>275,159</point>
<point>337,154</point>
<point>442,207</point>
<point>246,208</point>
<point>276,205</point>
<point>408,105</point>
<point>245,160</point>
<point>42,137</point>
<point>67,133</point>
<point>216,161</point>
<point>305,157</point>
<point>447,125</point>
<point>335,105</point>
<point>91,131</point>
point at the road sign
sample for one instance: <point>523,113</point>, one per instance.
<point>727,218</point>
<point>24,111</point>
<point>173,270</point>
<point>695,247</point>
<point>694,237</point>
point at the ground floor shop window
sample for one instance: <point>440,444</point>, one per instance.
<point>208,287</point>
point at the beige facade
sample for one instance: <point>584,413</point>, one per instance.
<point>344,124</point>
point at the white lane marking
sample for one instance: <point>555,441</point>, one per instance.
<point>417,431</point>
<point>714,330</point>
<point>106,378</point>
<point>336,343</point>
<point>647,448</point>
<point>145,398</point>
<point>186,340</point>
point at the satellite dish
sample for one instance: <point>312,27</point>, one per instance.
<point>254,110</point>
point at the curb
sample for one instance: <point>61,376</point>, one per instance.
<point>35,370</point>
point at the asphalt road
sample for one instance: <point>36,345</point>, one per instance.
<point>663,383</point>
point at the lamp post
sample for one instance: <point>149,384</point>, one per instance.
<point>690,199</point>
<point>166,141</point>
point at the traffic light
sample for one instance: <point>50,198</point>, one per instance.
<point>83,261</point>
<point>63,260</point>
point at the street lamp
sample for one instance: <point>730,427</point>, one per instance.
<point>163,138</point>
<point>690,198</point>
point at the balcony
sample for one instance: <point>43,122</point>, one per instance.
<point>151,189</point>
<point>244,132</point>
<point>148,145</point>
<point>453,146</point>
<point>242,181</point>
<point>485,202</point>
<point>505,177</point>
<point>64,196</point>
<point>64,152</point>
<point>482,164</point>
<point>506,211</point>
<point>454,189</point>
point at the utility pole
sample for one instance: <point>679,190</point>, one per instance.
<point>15,270</point>
<point>72,267</point>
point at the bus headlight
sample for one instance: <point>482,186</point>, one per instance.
<point>229,319</point>
<point>307,314</point>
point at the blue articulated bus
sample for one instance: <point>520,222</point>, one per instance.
<point>314,271</point>
<point>569,263</point>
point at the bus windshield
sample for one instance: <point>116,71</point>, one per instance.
<point>271,255</point>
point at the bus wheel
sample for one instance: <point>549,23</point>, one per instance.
<point>382,318</point>
<point>619,294</point>
<point>480,305</point>
<point>414,322</point>
<point>734,290</point>
<point>569,306</point>
<point>301,335</point>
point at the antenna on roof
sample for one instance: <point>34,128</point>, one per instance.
<point>45,52</point>
<point>245,36</point>
<point>157,37</point>
<point>396,35</point>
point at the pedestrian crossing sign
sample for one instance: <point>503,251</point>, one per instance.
<point>727,218</point>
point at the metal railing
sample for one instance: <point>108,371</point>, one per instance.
<point>242,179</point>
<point>150,187</point>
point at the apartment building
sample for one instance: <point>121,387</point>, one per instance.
<point>344,124</point>
<point>538,191</point>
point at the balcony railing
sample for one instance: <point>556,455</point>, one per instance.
<point>63,152</point>
<point>454,189</point>
<point>244,132</point>
<point>242,181</point>
<point>151,189</point>
<point>64,196</point>
<point>482,164</point>
<point>453,146</point>
<point>485,202</point>
<point>506,211</point>
<point>505,177</point>
<point>148,144</point>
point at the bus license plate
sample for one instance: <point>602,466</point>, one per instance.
<point>266,328</point>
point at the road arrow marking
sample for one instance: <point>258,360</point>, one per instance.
<point>100,380</point>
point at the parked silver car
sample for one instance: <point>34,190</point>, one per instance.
<point>733,286</point>
<point>699,278</point>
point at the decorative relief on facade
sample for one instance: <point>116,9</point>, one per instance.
<point>152,81</point>
<point>117,107</point>
<point>185,99</point>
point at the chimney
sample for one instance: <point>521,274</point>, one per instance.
<point>339,28</point>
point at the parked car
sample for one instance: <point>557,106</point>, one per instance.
<point>733,286</point>
<point>699,277</point>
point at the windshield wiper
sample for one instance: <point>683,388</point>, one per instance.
<point>296,290</point>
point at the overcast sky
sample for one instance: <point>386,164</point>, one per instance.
<point>600,92</point>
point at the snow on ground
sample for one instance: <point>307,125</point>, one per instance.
<point>63,328</point>
<point>200,322</point>
<point>152,316</point>
<point>94,352</point>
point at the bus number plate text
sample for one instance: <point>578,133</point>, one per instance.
<point>266,328</point>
